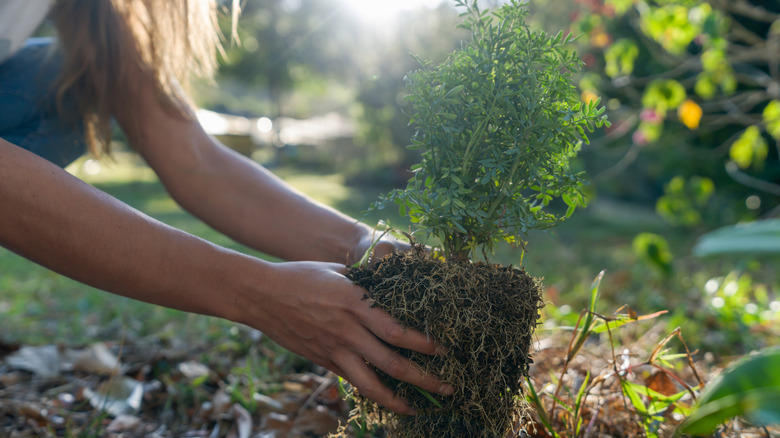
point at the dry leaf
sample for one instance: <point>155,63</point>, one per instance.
<point>243,420</point>
<point>314,422</point>
<point>266,404</point>
<point>43,361</point>
<point>124,423</point>
<point>276,424</point>
<point>96,359</point>
<point>34,412</point>
<point>220,404</point>
<point>193,370</point>
<point>117,396</point>
<point>662,384</point>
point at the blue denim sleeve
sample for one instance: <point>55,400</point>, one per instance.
<point>28,114</point>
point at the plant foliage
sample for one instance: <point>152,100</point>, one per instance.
<point>753,238</point>
<point>497,123</point>
<point>750,388</point>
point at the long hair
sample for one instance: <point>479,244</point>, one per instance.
<point>101,39</point>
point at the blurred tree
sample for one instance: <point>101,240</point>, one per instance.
<point>286,43</point>
<point>322,49</point>
<point>694,89</point>
<point>429,34</point>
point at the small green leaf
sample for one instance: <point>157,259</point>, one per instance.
<point>636,400</point>
<point>750,149</point>
<point>428,396</point>
<point>771,117</point>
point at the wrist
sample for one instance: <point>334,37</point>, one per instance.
<point>361,242</point>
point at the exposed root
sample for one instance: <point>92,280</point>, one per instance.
<point>484,314</point>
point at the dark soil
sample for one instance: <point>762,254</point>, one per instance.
<point>484,314</point>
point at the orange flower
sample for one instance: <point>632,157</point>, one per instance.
<point>690,114</point>
<point>600,39</point>
<point>588,96</point>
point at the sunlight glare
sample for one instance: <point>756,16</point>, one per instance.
<point>380,12</point>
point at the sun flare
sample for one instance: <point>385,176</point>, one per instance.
<point>379,12</point>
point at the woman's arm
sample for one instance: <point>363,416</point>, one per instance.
<point>234,194</point>
<point>310,308</point>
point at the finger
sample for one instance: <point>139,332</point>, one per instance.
<point>359,375</point>
<point>391,331</point>
<point>401,368</point>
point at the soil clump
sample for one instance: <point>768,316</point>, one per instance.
<point>484,314</point>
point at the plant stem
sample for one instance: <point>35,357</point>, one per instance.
<point>477,136</point>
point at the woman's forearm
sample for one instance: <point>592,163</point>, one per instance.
<point>250,204</point>
<point>230,192</point>
<point>68,226</point>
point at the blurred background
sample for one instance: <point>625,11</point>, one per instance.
<point>690,87</point>
<point>314,90</point>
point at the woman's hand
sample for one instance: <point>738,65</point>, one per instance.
<point>312,309</point>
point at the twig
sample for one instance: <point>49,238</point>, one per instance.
<point>330,381</point>
<point>743,178</point>
<point>592,422</point>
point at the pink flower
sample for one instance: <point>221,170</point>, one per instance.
<point>639,137</point>
<point>650,115</point>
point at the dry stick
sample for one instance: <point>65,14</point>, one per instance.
<point>690,359</point>
<point>750,181</point>
<point>324,385</point>
<point>592,422</point>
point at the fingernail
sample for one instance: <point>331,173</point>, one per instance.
<point>446,389</point>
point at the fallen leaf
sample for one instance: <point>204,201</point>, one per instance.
<point>662,384</point>
<point>117,396</point>
<point>243,421</point>
<point>314,422</point>
<point>276,424</point>
<point>10,379</point>
<point>123,423</point>
<point>266,404</point>
<point>220,404</point>
<point>96,359</point>
<point>43,361</point>
<point>193,370</point>
<point>34,412</point>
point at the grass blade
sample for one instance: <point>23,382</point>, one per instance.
<point>585,329</point>
<point>429,397</point>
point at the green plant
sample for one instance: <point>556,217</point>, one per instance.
<point>750,388</point>
<point>753,238</point>
<point>497,124</point>
<point>638,405</point>
<point>690,102</point>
